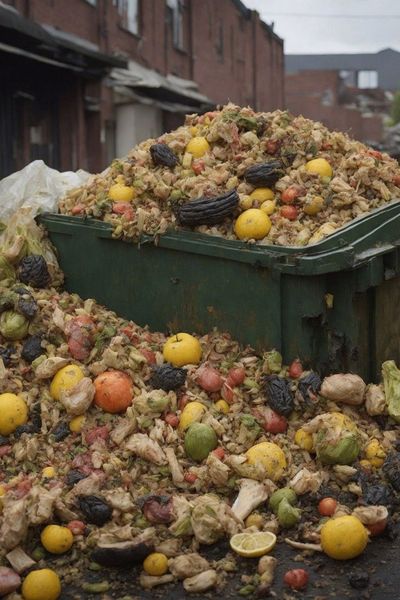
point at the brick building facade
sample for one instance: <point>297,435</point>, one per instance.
<point>177,54</point>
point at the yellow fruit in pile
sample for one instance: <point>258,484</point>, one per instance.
<point>198,146</point>
<point>245,202</point>
<point>252,545</point>
<point>375,453</point>
<point>222,406</point>
<point>322,232</point>
<point>2,491</point>
<point>252,224</point>
<point>262,194</point>
<point>192,413</point>
<point>65,379</point>
<point>121,193</point>
<point>254,520</point>
<point>344,537</point>
<point>56,539</point>
<point>304,440</point>
<point>268,207</point>
<point>43,584</point>
<point>13,413</point>
<point>182,349</point>
<point>48,472</point>
<point>156,564</point>
<point>270,456</point>
<point>313,205</point>
<point>319,166</point>
<point>76,424</point>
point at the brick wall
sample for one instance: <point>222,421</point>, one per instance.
<point>315,94</point>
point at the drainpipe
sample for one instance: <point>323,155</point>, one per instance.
<point>254,57</point>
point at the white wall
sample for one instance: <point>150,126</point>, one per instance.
<point>135,123</point>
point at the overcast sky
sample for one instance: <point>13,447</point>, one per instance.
<point>357,25</point>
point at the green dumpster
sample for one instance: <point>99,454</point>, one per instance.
<point>334,304</point>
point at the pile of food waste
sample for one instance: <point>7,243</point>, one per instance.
<point>266,178</point>
<point>122,447</point>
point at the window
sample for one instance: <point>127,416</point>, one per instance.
<point>129,11</point>
<point>175,8</point>
<point>367,79</point>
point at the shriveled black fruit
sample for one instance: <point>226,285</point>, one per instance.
<point>391,469</point>
<point>27,306</point>
<point>167,378</point>
<point>4,440</point>
<point>309,383</point>
<point>27,428</point>
<point>95,509</point>
<point>279,395</point>
<point>207,211</point>
<point>377,494</point>
<point>359,580</point>
<point>163,156</point>
<point>60,431</point>
<point>73,477</point>
<point>33,271</point>
<point>264,174</point>
<point>32,348</point>
<point>5,355</point>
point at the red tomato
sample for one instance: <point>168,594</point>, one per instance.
<point>77,527</point>
<point>172,419</point>
<point>289,212</point>
<point>236,376</point>
<point>219,453</point>
<point>377,528</point>
<point>198,166</point>
<point>275,423</point>
<point>79,345</point>
<point>291,194</point>
<point>190,477</point>
<point>296,578</point>
<point>327,506</point>
<point>149,355</point>
<point>125,209</point>
<point>4,450</point>
<point>296,369</point>
<point>95,434</point>
<point>271,146</point>
<point>209,379</point>
<point>396,180</point>
<point>78,209</point>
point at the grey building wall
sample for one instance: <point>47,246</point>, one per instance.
<point>386,63</point>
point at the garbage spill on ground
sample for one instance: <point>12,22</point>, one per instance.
<point>121,446</point>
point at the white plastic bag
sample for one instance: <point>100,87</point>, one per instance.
<point>38,187</point>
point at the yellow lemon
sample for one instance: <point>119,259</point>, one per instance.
<point>56,539</point>
<point>182,349</point>
<point>262,194</point>
<point>43,584</point>
<point>253,545</point>
<point>65,379</point>
<point>2,490</point>
<point>76,424</point>
<point>268,207</point>
<point>198,146</point>
<point>222,406</point>
<point>121,193</point>
<point>313,205</point>
<point>156,564</point>
<point>252,224</point>
<point>13,413</point>
<point>304,440</point>
<point>270,456</point>
<point>319,166</point>
<point>375,453</point>
<point>344,537</point>
<point>48,472</point>
<point>192,413</point>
